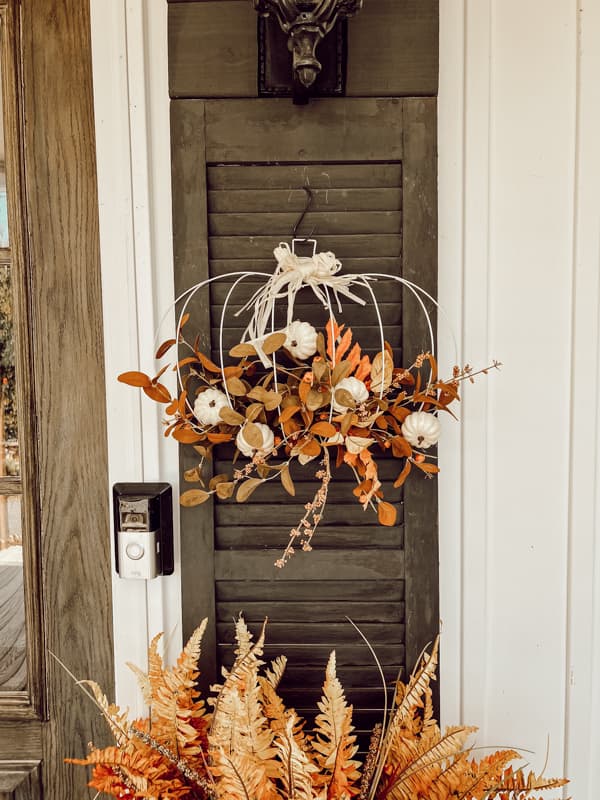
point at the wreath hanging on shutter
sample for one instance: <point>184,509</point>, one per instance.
<point>298,394</point>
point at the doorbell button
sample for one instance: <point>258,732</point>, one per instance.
<point>134,551</point>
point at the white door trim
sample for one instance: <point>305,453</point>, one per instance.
<point>129,43</point>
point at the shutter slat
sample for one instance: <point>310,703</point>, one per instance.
<point>309,611</point>
<point>346,565</point>
<point>227,538</point>
<point>331,634</point>
<point>318,591</point>
<point>289,514</point>
<point>294,200</point>
<point>280,224</point>
<point>294,176</point>
<point>349,246</point>
<point>315,655</point>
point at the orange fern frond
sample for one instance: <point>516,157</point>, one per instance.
<point>517,780</point>
<point>334,744</point>
<point>296,768</point>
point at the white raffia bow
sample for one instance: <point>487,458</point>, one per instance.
<point>319,272</point>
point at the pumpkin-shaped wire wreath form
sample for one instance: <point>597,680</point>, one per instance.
<point>296,393</point>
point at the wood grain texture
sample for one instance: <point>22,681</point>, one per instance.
<point>213,49</point>
<point>309,611</point>
<point>392,49</point>
<point>365,130</point>
<point>13,663</point>
<point>190,244</point>
<point>398,40</point>
<point>20,780</point>
<point>318,176</point>
<point>66,320</point>
<point>257,589</point>
<point>18,739</point>
<point>420,266</point>
<point>32,702</point>
<point>348,565</point>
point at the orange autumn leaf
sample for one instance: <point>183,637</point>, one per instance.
<point>386,513</point>
<point>354,357</point>
<point>323,429</point>
<point>303,391</point>
<point>219,438</point>
<point>399,412</point>
<point>363,486</point>
<point>165,347</point>
<point>137,379</point>
<point>311,448</point>
<point>184,320</point>
<point>181,404</point>
<point>333,331</point>
<point>343,346</point>
<point>158,392</point>
<point>185,361</point>
<point>208,365</point>
<point>288,413</point>
<point>160,373</point>
<point>290,426</point>
<point>403,475</point>
<point>428,467</point>
<point>187,435</point>
<point>364,369</point>
<point>400,447</point>
<point>233,372</point>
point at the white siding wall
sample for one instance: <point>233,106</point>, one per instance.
<point>519,263</point>
<point>519,278</point>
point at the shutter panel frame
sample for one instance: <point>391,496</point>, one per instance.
<point>199,137</point>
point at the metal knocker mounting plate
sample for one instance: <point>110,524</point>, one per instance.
<point>305,23</point>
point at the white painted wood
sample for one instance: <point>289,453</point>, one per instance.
<point>583,696</point>
<point>131,105</point>
<point>519,272</point>
<point>530,246</point>
<point>450,288</point>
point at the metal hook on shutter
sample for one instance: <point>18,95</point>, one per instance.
<point>309,201</point>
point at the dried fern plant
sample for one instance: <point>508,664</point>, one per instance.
<point>249,746</point>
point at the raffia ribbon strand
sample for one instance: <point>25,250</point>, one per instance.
<point>292,274</point>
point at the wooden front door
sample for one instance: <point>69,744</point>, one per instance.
<point>240,163</point>
<point>55,587</point>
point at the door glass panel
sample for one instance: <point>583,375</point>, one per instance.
<point>13,666</point>
<point>13,669</point>
<point>9,446</point>
<point>4,240</point>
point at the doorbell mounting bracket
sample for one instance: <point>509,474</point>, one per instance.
<point>143,518</point>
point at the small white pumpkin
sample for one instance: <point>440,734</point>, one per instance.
<point>246,449</point>
<point>208,405</point>
<point>354,387</point>
<point>301,340</point>
<point>421,429</point>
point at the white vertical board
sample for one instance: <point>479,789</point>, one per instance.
<point>583,665</point>
<point>519,261</point>
<point>129,44</point>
